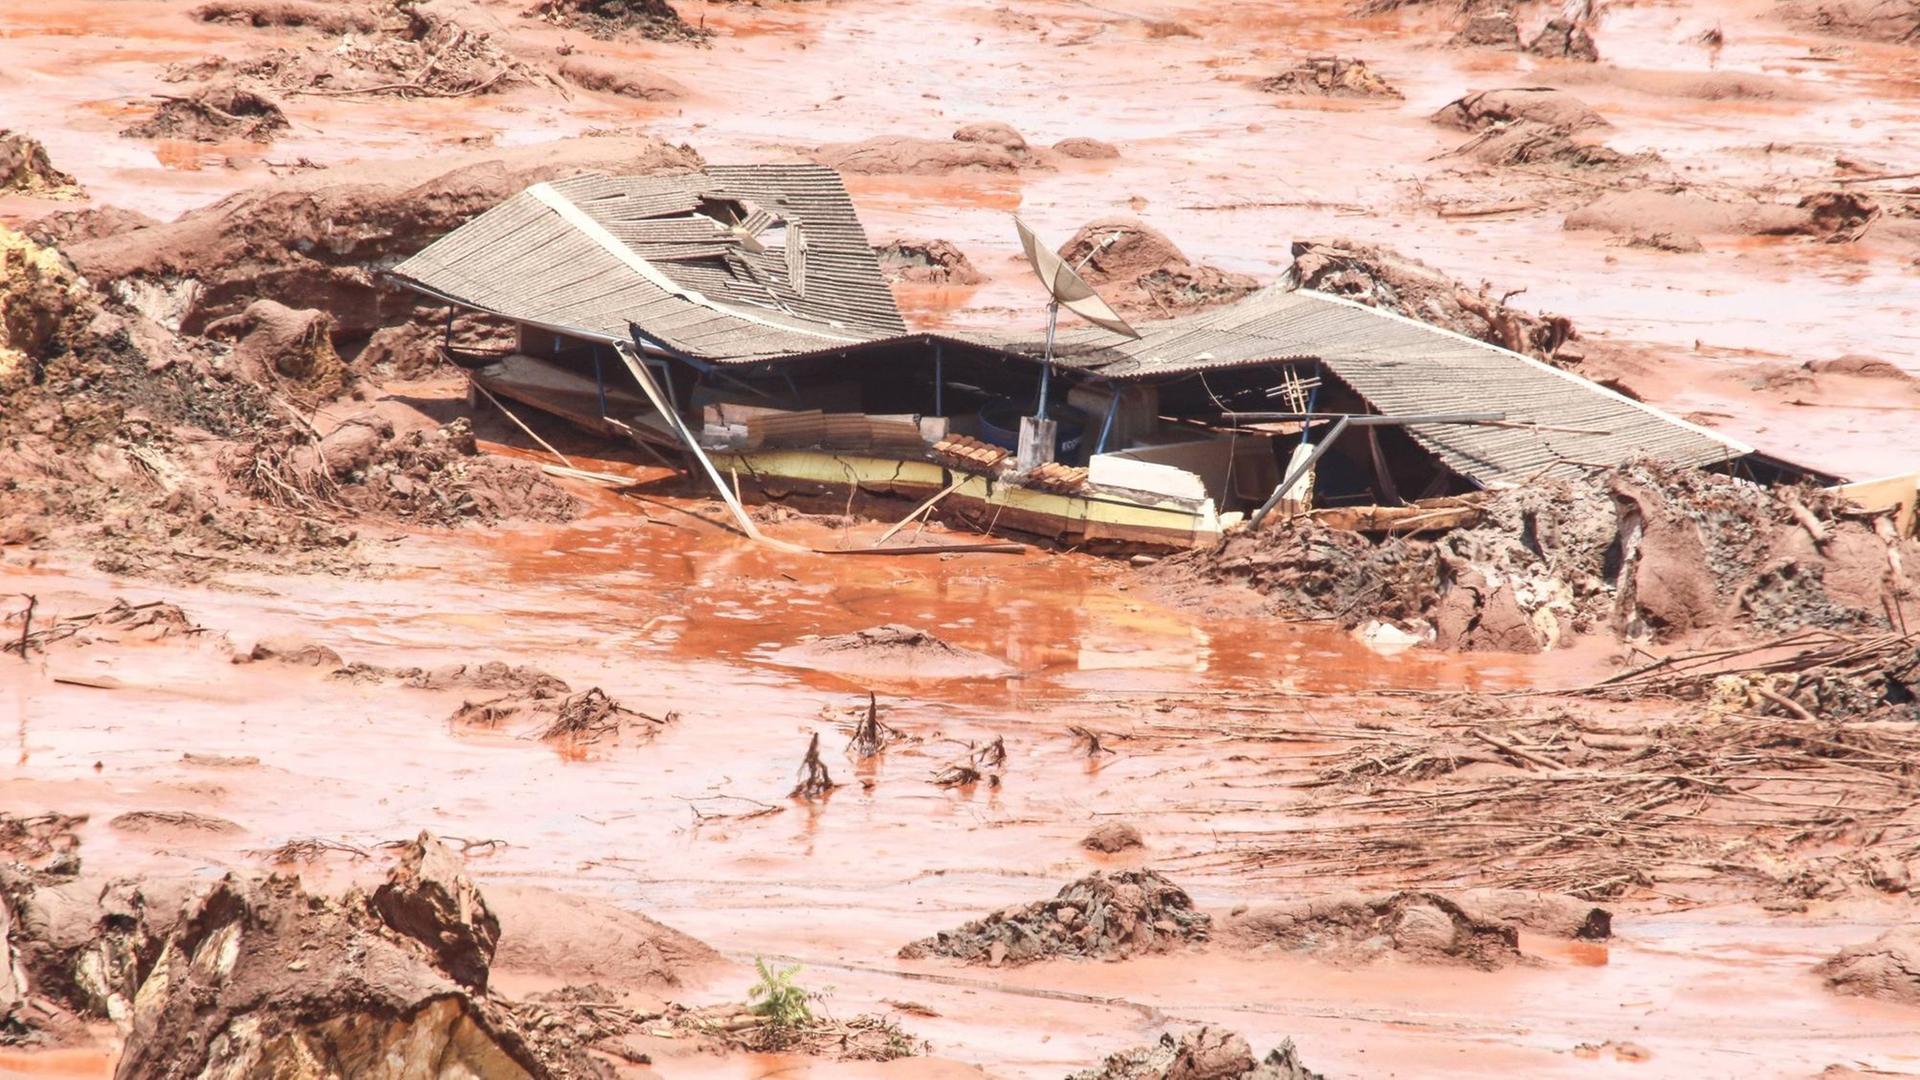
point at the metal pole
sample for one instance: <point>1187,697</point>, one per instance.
<point>1106,426</point>
<point>1293,476</point>
<point>1046,363</point>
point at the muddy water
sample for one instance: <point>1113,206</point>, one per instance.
<point>681,618</point>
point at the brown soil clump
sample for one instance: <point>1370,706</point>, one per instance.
<point>1085,149</point>
<point>326,16</point>
<point>1330,76</point>
<point>1383,278</point>
<point>1487,29</point>
<point>430,898</point>
<point>653,19</point>
<point>1420,926</point>
<point>1887,968</point>
<point>1541,913</point>
<point>1540,104</point>
<point>983,146</point>
<point>1112,838</point>
<point>25,169</point>
<point>355,219</point>
<point>411,350</point>
<point>1103,916</point>
<point>218,112</point>
<point>1894,21</point>
<point>149,821</point>
<point>1528,143</point>
<point>283,349</point>
<point>66,227</point>
<point>1563,39</point>
<point>892,651</point>
<point>1677,243</point>
<point>621,78</point>
<point>927,262</point>
<point>1204,1053</point>
<point>34,839</point>
<point>1141,272</point>
<point>580,940</point>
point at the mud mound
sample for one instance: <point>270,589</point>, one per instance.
<point>218,112</point>
<point>1204,1053</point>
<point>329,17</point>
<point>1833,217</point>
<point>1563,39</point>
<point>577,940</point>
<point>38,838</point>
<point>619,77</point>
<point>1330,76</point>
<point>25,169</point>
<point>894,651</point>
<point>171,821</point>
<point>1541,913</point>
<point>1112,837</point>
<point>75,226</point>
<point>1487,29</point>
<point>1888,967</point>
<point>1895,21</point>
<point>1419,926</point>
<point>1140,271</point>
<point>1528,143</point>
<point>1312,571</point>
<point>1086,149</point>
<point>1677,243</point>
<point>317,240</point>
<point>1540,104</point>
<point>1383,278</point>
<point>910,156</point>
<point>81,945</point>
<point>1103,916</point>
<point>928,262</point>
<point>654,19</point>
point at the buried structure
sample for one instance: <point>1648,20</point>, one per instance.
<point>739,316</point>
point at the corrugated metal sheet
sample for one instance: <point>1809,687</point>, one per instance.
<point>1404,367</point>
<point>523,259</point>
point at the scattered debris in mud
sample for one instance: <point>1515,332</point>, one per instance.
<point>122,620</point>
<point>1384,278</point>
<point>1540,104</point>
<point>1140,271</point>
<point>1103,916</point>
<point>1423,927</point>
<point>1203,1053</point>
<point>25,169</point>
<point>217,112</point>
<point>927,262</point>
<point>1893,21</point>
<point>1888,967</point>
<point>1330,76</point>
<point>654,19</point>
<point>892,651</point>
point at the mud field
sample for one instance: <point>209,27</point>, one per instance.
<point>343,740</point>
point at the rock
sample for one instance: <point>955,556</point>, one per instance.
<point>1887,968</point>
<point>1542,105</point>
<point>429,898</point>
<point>25,169</point>
<point>1111,837</point>
<point>1085,149</point>
<point>1495,29</point>
<point>931,262</point>
<point>1563,39</point>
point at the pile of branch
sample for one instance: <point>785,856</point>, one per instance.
<point>1787,806</point>
<point>1804,674</point>
<point>862,1038</point>
<point>157,616</point>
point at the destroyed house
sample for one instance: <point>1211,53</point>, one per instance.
<point>753,297</point>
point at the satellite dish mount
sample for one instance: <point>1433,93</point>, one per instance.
<point>1065,288</point>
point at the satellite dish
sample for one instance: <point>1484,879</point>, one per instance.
<point>1068,288</point>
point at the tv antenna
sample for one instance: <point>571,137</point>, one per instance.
<point>1066,288</point>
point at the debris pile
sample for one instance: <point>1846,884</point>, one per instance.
<point>325,17</point>
<point>1423,927</point>
<point>430,55</point>
<point>220,111</point>
<point>25,169</point>
<point>1103,916</point>
<point>1564,39</point>
<point>1492,28</point>
<point>1888,967</point>
<point>1330,76</point>
<point>1141,272</point>
<point>654,19</point>
<point>1384,278</point>
<point>926,262</point>
<point>1113,837</point>
<point>1525,142</point>
<point>1203,1053</point>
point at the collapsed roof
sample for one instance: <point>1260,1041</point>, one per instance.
<point>730,264</point>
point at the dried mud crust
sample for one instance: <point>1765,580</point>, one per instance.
<point>1203,1053</point>
<point>1423,927</point>
<point>217,112</point>
<point>1887,967</point>
<point>1330,76</point>
<point>1141,272</point>
<point>1103,916</point>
